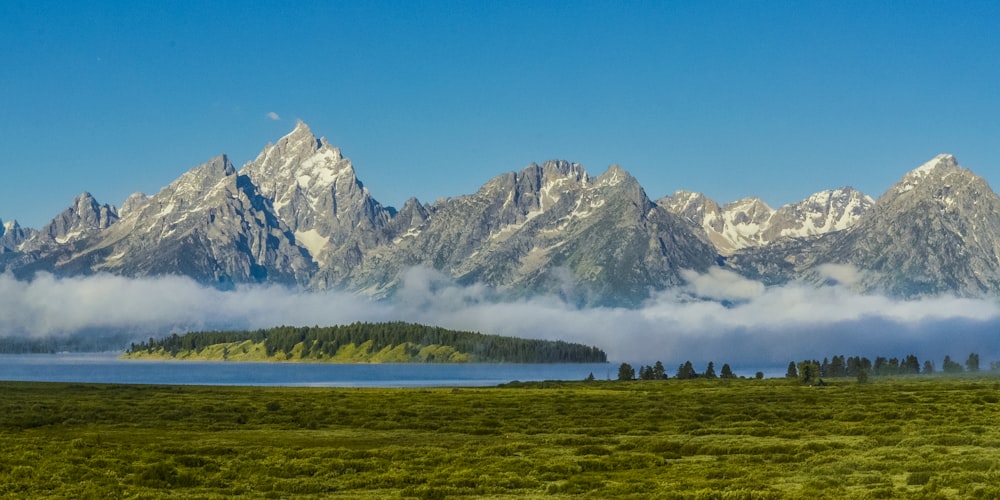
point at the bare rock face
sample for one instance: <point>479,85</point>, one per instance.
<point>12,235</point>
<point>315,191</point>
<point>937,230</point>
<point>84,216</point>
<point>210,224</point>
<point>551,228</point>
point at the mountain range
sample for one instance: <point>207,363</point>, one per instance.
<point>298,215</point>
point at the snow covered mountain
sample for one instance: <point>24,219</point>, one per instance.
<point>935,231</point>
<point>752,223</point>
<point>314,190</point>
<point>298,215</point>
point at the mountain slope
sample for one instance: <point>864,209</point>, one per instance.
<point>298,215</point>
<point>935,231</point>
<point>750,222</point>
<point>315,191</point>
<point>210,224</point>
<point>550,228</point>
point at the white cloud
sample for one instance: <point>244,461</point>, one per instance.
<point>274,116</point>
<point>844,274</point>
<point>722,284</point>
<point>765,326</point>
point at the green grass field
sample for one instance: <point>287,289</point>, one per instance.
<point>917,437</point>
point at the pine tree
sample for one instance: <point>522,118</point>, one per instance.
<point>659,372</point>
<point>727,372</point>
<point>949,366</point>
<point>972,364</point>
<point>792,372</point>
<point>626,372</point>
<point>686,371</point>
<point>710,371</point>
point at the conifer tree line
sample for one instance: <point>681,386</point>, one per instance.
<point>810,371</point>
<point>317,341</point>
<point>685,371</point>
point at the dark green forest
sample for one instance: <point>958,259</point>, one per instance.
<point>327,341</point>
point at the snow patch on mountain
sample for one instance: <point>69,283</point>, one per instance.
<point>750,222</point>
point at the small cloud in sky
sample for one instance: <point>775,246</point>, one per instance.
<point>274,116</point>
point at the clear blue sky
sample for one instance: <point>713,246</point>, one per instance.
<point>431,99</point>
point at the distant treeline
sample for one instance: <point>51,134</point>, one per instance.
<point>319,342</point>
<point>861,367</point>
<point>56,344</point>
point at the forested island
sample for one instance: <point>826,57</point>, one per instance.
<point>396,342</point>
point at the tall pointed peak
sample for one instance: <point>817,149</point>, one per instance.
<point>85,198</point>
<point>614,175</point>
<point>937,168</point>
<point>301,137</point>
<point>300,126</point>
<point>940,163</point>
<point>217,167</point>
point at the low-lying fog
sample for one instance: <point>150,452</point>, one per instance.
<point>717,316</point>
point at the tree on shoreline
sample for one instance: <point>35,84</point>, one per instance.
<point>626,372</point>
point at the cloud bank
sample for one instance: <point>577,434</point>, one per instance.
<point>718,316</point>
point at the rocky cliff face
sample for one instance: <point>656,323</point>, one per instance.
<point>12,235</point>
<point>315,191</point>
<point>937,230</point>
<point>211,224</point>
<point>550,228</point>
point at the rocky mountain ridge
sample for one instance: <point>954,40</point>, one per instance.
<point>298,215</point>
<point>750,222</point>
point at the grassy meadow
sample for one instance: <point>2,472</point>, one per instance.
<point>905,437</point>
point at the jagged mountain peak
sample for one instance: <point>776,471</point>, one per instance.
<point>216,168</point>
<point>563,168</point>
<point>298,161</point>
<point>941,163</point>
<point>201,178</point>
<point>937,169</point>
<point>84,216</point>
<point>614,176</point>
<point>12,235</point>
<point>300,143</point>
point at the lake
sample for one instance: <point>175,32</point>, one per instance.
<point>107,368</point>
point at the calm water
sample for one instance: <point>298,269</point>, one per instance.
<point>106,368</point>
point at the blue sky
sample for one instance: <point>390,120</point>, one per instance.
<point>431,99</point>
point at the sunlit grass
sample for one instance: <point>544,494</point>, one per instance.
<point>897,438</point>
